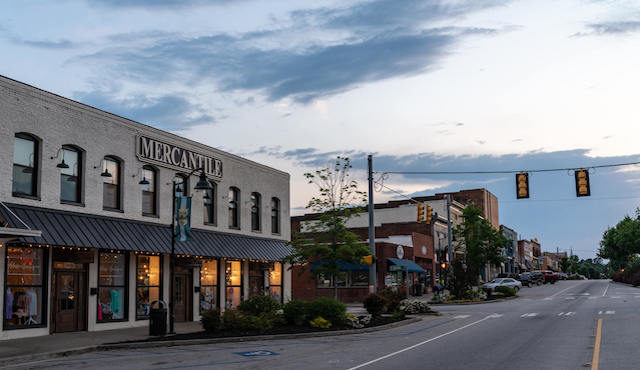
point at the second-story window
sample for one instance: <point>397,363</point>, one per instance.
<point>209,205</point>
<point>275,215</point>
<point>71,177</point>
<point>182,185</point>
<point>149,191</point>
<point>25,165</point>
<point>256,210</point>
<point>234,205</point>
<point>111,185</point>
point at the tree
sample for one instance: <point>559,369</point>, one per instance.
<point>565,264</point>
<point>481,243</point>
<point>325,242</point>
<point>621,242</point>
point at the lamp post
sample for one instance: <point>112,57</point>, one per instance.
<point>203,184</point>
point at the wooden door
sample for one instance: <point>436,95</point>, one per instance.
<point>182,300</point>
<point>69,305</point>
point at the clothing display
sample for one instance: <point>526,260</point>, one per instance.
<point>8,304</point>
<point>33,302</point>
<point>115,301</point>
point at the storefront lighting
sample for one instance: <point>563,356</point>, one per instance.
<point>106,173</point>
<point>144,181</point>
<point>61,164</point>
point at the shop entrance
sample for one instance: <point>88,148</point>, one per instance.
<point>69,300</point>
<point>182,294</point>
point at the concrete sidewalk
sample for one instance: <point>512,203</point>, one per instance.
<point>68,341</point>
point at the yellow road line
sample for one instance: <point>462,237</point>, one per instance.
<point>596,348</point>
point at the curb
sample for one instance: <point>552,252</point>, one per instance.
<point>21,360</point>
<point>470,303</point>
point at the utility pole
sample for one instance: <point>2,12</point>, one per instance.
<point>372,233</point>
<point>449,237</point>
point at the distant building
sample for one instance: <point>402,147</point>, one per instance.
<point>482,198</point>
<point>510,253</point>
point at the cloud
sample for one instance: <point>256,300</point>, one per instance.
<point>364,51</point>
<point>157,3</point>
<point>611,28</point>
<point>167,112</point>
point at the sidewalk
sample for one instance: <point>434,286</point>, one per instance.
<point>67,341</point>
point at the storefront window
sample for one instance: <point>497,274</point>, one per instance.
<point>275,281</point>
<point>346,279</point>
<point>359,278</point>
<point>111,184</point>
<point>324,281</point>
<point>147,284</point>
<point>25,165</point>
<point>208,285</point>
<point>149,191</point>
<point>24,304</point>
<point>233,280</point>
<point>71,178</point>
<point>112,287</point>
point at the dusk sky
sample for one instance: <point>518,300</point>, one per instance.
<point>422,85</point>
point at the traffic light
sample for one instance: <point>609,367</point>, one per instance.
<point>522,185</point>
<point>420,212</point>
<point>429,214</point>
<point>582,183</point>
<point>367,260</point>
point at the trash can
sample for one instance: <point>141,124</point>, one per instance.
<point>158,318</point>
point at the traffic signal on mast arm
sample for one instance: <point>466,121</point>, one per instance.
<point>582,183</point>
<point>420,212</point>
<point>367,260</point>
<point>522,185</point>
<point>429,216</point>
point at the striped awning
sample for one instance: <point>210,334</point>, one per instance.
<point>73,229</point>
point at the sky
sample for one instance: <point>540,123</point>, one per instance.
<point>450,85</point>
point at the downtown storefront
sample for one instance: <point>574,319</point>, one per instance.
<point>85,215</point>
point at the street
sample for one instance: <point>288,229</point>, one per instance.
<point>547,327</point>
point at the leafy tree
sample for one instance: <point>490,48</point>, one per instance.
<point>621,242</point>
<point>565,263</point>
<point>481,243</point>
<point>325,242</point>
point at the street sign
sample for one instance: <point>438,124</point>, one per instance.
<point>256,353</point>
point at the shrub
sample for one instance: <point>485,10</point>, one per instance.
<point>374,304</point>
<point>234,320</point>
<point>635,278</point>
<point>393,297</point>
<point>211,320</point>
<point>506,291</point>
<point>295,312</point>
<point>328,308</point>
<point>398,315</point>
<point>413,306</point>
<point>259,304</point>
<point>353,321</point>
<point>320,322</point>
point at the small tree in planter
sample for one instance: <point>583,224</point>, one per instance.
<point>327,243</point>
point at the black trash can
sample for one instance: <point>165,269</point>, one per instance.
<point>158,318</point>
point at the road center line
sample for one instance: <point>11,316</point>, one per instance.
<point>596,348</point>
<point>562,291</point>
<point>421,343</point>
<point>605,290</point>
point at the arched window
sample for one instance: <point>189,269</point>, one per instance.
<point>234,208</point>
<point>182,185</point>
<point>275,215</point>
<point>71,175</point>
<point>26,165</point>
<point>209,205</point>
<point>111,183</point>
<point>256,209</point>
<point>148,184</point>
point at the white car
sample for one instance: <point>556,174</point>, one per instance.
<point>511,283</point>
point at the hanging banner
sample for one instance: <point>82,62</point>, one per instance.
<point>183,219</point>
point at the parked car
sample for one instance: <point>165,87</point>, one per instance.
<point>508,275</point>
<point>549,276</point>
<point>508,282</point>
<point>525,279</point>
<point>537,277</point>
<point>562,276</point>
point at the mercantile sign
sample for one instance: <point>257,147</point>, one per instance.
<point>156,151</point>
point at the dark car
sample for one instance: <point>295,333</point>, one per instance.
<point>525,279</point>
<point>536,277</point>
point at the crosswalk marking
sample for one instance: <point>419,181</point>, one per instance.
<point>532,314</point>
<point>606,312</point>
<point>461,316</point>
<point>570,313</point>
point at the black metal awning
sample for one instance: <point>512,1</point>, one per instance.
<point>72,229</point>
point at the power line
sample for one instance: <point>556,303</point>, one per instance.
<point>505,171</point>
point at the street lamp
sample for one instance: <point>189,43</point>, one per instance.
<point>202,184</point>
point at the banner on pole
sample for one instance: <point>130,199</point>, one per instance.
<point>183,219</point>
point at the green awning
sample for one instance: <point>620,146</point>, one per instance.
<point>406,265</point>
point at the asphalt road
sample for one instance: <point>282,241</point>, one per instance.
<point>548,327</point>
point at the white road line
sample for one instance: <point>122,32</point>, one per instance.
<point>570,313</point>
<point>561,313</point>
<point>422,343</point>
<point>605,290</point>
<point>532,314</point>
<point>610,312</point>
<point>599,312</point>
<point>570,298</point>
<point>461,316</point>
<point>562,291</point>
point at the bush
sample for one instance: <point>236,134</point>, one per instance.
<point>234,320</point>
<point>259,304</point>
<point>327,308</point>
<point>393,297</point>
<point>374,304</point>
<point>295,312</point>
<point>413,306</point>
<point>506,291</point>
<point>353,321</point>
<point>320,322</point>
<point>211,321</point>
<point>635,278</point>
<point>398,315</point>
